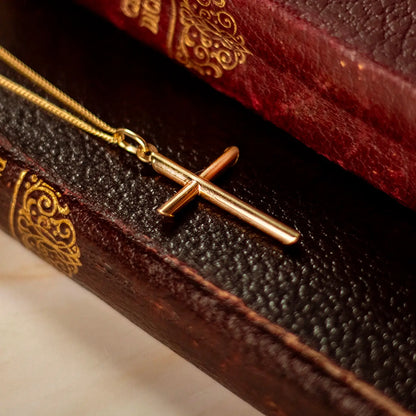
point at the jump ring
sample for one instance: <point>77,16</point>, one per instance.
<point>121,134</point>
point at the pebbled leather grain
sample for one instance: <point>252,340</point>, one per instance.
<point>347,290</point>
<point>329,73</point>
<point>384,30</point>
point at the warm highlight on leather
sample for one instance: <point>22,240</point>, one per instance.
<point>338,75</point>
<point>324,328</point>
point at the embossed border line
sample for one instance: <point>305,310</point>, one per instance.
<point>171,28</point>
<point>14,200</point>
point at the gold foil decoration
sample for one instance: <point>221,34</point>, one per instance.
<point>206,34</point>
<point>146,11</point>
<point>42,223</point>
<point>209,42</point>
<point>3,163</point>
<point>130,8</point>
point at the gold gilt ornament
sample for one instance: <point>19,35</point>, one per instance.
<point>209,42</point>
<point>42,223</point>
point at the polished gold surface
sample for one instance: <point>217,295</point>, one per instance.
<point>146,152</point>
<point>191,189</point>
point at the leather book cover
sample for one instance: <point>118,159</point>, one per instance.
<point>325,327</point>
<point>338,75</point>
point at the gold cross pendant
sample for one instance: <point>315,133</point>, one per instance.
<point>194,185</point>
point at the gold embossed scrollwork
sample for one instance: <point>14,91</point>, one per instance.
<point>131,8</point>
<point>209,42</point>
<point>43,226</point>
<point>3,163</point>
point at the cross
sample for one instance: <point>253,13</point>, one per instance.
<point>194,185</point>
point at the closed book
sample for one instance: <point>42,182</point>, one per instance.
<point>325,327</point>
<point>338,75</point>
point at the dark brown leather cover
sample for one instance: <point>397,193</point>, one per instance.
<point>323,328</point>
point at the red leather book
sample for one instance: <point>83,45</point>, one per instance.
<point>326,327</point>
<point>338,75</point>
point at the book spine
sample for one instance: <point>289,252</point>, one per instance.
<point>335,100</point>
<point>209,327</point>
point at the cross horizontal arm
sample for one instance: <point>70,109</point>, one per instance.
<point>191,189</point>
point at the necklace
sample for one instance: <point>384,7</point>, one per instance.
<point>192,184</point>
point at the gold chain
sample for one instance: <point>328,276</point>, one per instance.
<point>133,143</point>
<point>101,129</point>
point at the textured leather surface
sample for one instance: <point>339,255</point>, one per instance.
<point>346,290</point>
<point>308,77</point>
<point>384,30</point>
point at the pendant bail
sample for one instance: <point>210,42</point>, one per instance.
<point>121,135</point>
